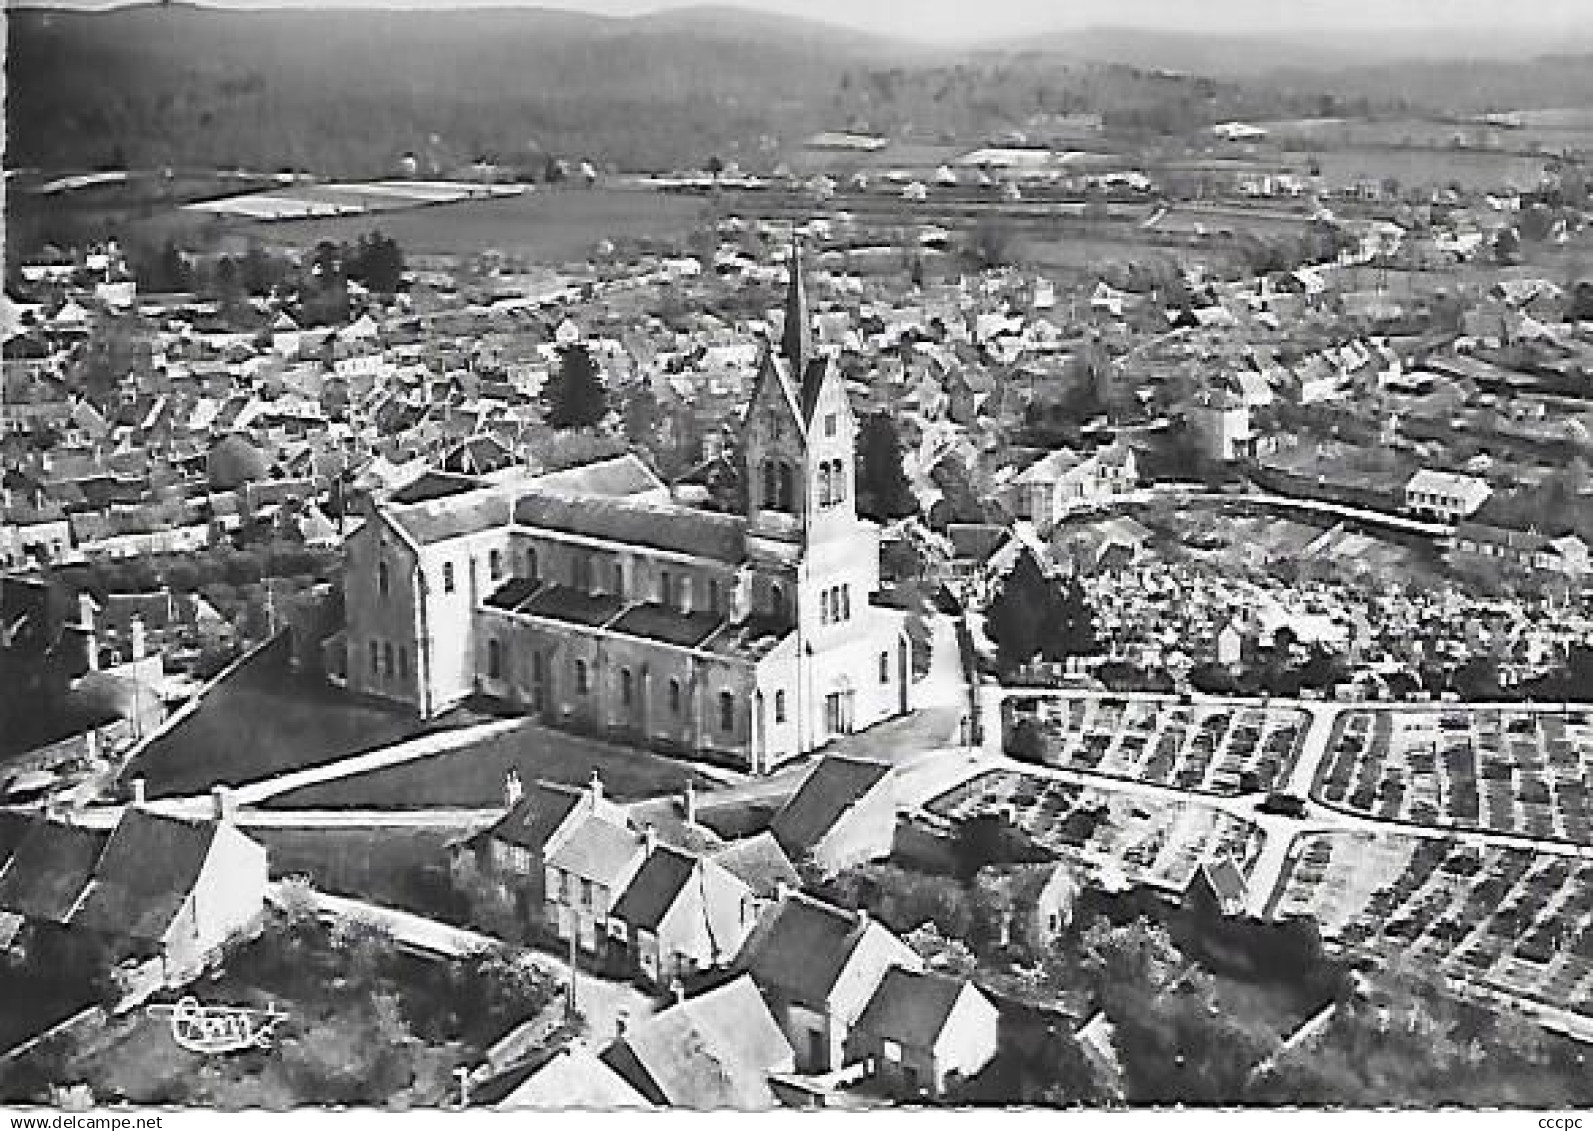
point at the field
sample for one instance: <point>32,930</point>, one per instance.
<point>1508,919</point>
<point>553,226</point>
<point>396,867</point>
<point>1472,169</point>
<point>297,202</point>
<point>473,777</point>
<point>264,721</point>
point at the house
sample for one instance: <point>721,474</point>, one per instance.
<point>761,864</point>
<point>573,1078</point>
<point>511,857</point>
<point>1218,888</point>
<point>584,877</point>
<point>844,813</point>
<point>713,1052</point>
<point>1039,898</point>
<point>1220,420</point>
<point>167,894</point>
<point>818,966</point>
<point>1066,482</point>
<point>1528,550</point>
<point>925,1033</point>
<point>1445,496</point>
<point>682,913</point>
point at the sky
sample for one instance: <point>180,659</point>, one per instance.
<point>950,21</point>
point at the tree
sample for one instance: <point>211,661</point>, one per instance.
<point>575,396</point>
<point>1016,620</point>
<point>883,491</point>
<point>991,242</point>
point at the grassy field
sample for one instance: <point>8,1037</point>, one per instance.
<point>264,721</point>
<point>553,226</point>
<point>390,866</point>
<point>473,777</point>
<point>1470,168</point>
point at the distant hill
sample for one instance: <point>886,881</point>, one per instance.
<point>349,91</point>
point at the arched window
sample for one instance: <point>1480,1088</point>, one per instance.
<point>824,606</point>
<point>376,658</point>
<point>777,600</point>
<point>625,686</point>
<point>494,660</point>
<point>494,564</point>
<point>382,580</point>
<point>619,579</point>
<point>666,588</point>
<point>846,602</point>
<point>786,489</point>
<point>840,480</point>
<point>536,667</point>
<point>531,564</point>
<point>403,662</point>
<point>884,667</point>
<point>824,484</point>
<point>674,696</point>
<point>387,660</point>
<point>771,485</point>
<point>580,677</point>
<point>779,706</point>
<point>448,577</point>
<point>727,712</point>
<point>713,595</point>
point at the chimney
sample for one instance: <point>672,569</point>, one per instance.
<point>223,803</point>
<point>677,991</point>
<point>139,788</point>
<point>622,1021</point>
<point>689,801</point>
<point>649,838</point>
<point>135,629</point>
<point>596,787</point>
<point>862,918</point>
<point>85,610</point>
<point>782,890</point>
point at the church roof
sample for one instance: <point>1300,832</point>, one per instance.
<point>660,526</point>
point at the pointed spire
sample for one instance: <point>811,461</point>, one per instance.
<point>796,344</point>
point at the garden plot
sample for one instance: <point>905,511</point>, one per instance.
<point>1220,750</point>
<point>1115,832</point>
<point>1514,920</point>
<point>1495,768</point>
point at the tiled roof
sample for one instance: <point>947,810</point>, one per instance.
<point>598,850</point>
<point>805,948</point>
<point>655,888</point>
<point>712,1052</point>
<point>833,787</point>
<point>573,1078</point>
<point>760,863</point>
<point>148,869</point>
<point>618,477</point>
<point>48,871</point>
<point>537,816</point>
<point>455,517</point>
<point>659,526</point>
<point>560,602</point>
<point>910,1008</point>
<point>655,622</point>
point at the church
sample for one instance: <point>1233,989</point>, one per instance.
<point>591,600</point>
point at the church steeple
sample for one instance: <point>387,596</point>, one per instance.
<point>796,341</point>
